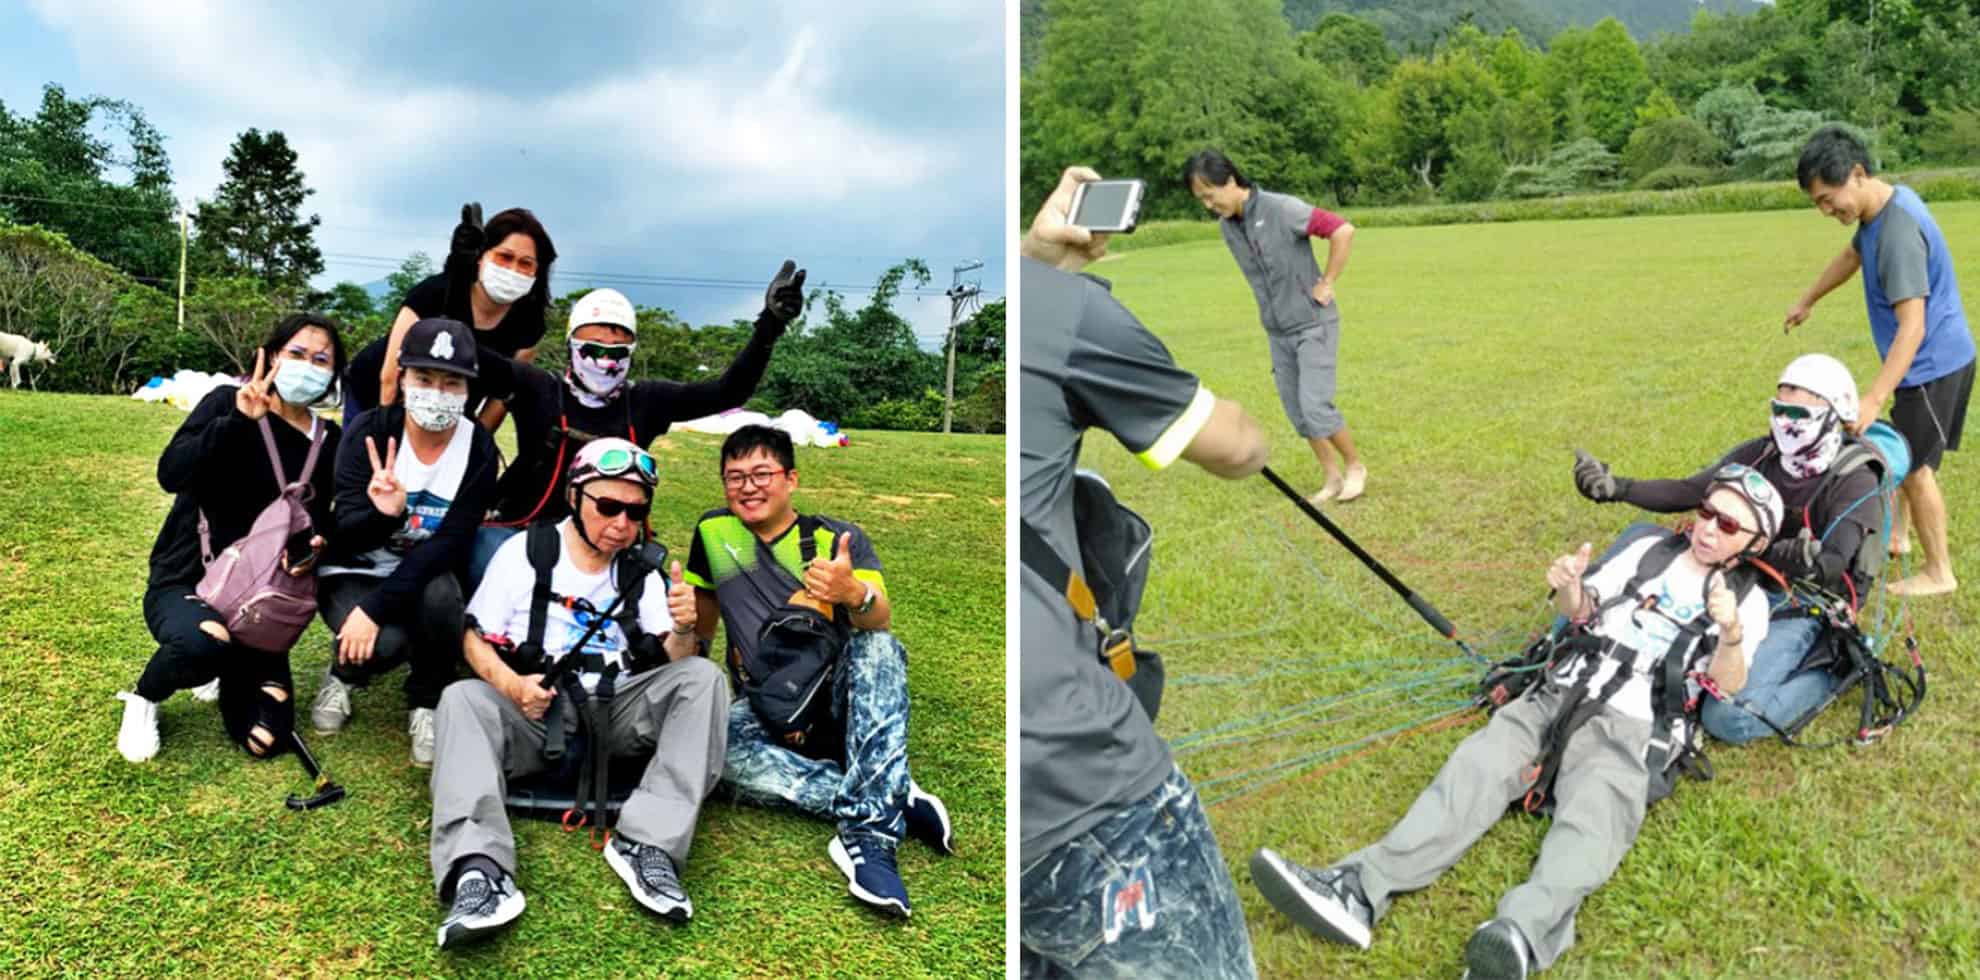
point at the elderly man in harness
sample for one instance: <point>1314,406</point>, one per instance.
<point>582,653</point>
<point>1831,539</point>
<point>1601,735</point>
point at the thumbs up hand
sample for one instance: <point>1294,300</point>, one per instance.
<point>680,601</point>
<point>1564,577</point>
<point>1721,605</point>
<point>833,580</point>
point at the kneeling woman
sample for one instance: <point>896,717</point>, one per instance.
<point>218,465</point>
<point>1593,723</point>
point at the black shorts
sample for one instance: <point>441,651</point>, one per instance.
<point>1932,415</point>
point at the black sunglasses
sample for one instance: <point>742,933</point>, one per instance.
<point>609,508</point>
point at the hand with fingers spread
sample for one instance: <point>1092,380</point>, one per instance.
<point>833,580</point>
<point>681,601</point>
<point>1564,577</point>
<point>257,397</point>
<point>387,494</point>
<point>357,638</point>
<point>1053,238</point>
<point>784,297</point>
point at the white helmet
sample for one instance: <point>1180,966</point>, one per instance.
<point>607,306</point>
<point>1828,379</point>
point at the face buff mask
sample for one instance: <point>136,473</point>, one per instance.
<point>434,410</point>
<point>300,382</point>
<point>504,286</point>
<point>598,380</point>
<point>1808,446</point>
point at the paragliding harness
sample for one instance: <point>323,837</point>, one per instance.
<point>568,441</point>
<point>1674,746</point>
<point>788,675</point>
<point>1114,547</point>
<point>580,789</point>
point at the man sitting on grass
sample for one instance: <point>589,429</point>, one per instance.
<point>841,754</point>
<point>1597,725</point>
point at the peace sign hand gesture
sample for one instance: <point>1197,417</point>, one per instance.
<point>255,399</point>
<point>387,494</point>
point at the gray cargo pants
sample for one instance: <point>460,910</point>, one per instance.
<point>1599,798</point>
<point>678,712</point>
<point>1303,364</point>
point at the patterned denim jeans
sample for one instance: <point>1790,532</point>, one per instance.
<point>1143,894</point>
<point>869,793</point>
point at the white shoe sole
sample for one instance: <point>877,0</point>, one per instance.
<point>1316,913</point>
<point>845,864</point>
<point>470,930</point>
<point>666,910</point>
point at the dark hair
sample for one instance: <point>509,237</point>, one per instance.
<point>295,323</point>
<point>750,438</point>
<point>1214,167</point>
<point>1829,156</point>
<point>510,222</point>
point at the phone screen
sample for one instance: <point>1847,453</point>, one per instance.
<point>1104,204</point>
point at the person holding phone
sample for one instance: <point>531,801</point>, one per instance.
<point>217,467</point>
<point>413,480</point>
<point>1271,237</point>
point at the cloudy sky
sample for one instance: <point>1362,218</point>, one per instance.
<point>705,141</point>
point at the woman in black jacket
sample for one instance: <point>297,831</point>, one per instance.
<point>217,464</point>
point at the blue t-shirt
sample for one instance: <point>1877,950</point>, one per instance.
<point>1904,257</point>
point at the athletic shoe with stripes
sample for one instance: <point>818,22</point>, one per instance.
<point>481,908</point>
<point>1328,903</point>
<point>867,861</point>
<point>650,874</point>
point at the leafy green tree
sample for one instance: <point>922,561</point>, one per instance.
<point>1605,67</point>
<point>95,170</point>
<point>1353,48</point>
<point>254,224</point>
<point>1680,140</point>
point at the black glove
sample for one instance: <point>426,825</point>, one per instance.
<point>784,299</point>
<point>467,234</point>
<point>1795,557</point>
<point>1593,479</point>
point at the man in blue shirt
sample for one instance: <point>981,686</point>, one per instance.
<point>1916,321</point>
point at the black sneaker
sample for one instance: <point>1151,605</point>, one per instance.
<point>1328,903</point>
<point>1497,951</point>
<point>650,874</point>
<point>481,908</point>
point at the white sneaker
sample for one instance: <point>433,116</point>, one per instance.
<point>421,730</point>
<point>137,737</point>
<point>333,705</point>
<point>208,692</point>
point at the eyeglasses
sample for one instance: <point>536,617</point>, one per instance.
<point>757,478</point>
<point>1789,410</point>
<point>296,352</point>
<point>609,508</point>
<point>619,462</point>
<point>1728,524</point>
<point>605,352</point>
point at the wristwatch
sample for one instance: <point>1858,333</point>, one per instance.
<point>872,595</point>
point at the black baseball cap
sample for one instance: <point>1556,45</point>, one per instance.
<point>441,344</point>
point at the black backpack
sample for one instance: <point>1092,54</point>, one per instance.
<point>788,675</point>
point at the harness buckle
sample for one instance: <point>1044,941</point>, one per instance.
<point>574,819</point>
<point>1118,650</point>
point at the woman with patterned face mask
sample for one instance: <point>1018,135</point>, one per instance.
<point>1832,535</point>
<point>413,481</point>
<point>496,280</point>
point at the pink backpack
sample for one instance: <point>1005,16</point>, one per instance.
<point>265,607</point>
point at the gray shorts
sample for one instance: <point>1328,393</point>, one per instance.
<point>1303,366</point>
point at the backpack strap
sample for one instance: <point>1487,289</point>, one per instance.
<point>1038,556</point>
<point>282,484</point>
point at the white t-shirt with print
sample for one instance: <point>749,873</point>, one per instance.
<point>1680,595</point>
<point>500,607</point>
<point>430,492</point>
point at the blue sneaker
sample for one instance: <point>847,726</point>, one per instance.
<point>928,820</point>
<point>867,861</point>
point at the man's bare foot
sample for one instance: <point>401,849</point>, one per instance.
<point>1355,483</point>
<point>1923,584</point>
<point>1329,491</point>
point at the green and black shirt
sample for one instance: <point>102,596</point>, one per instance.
<point>727,558</point>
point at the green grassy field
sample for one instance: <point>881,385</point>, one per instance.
<point>1473,360</point>
<point>189,865</point>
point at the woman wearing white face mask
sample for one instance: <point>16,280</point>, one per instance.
<point>496,280</point>
<point>1832,534</point>
<point>413,481</point>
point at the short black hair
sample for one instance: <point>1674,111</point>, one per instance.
<point>1829,156</point>
<point>514,220</point>
<point>295,323</point>
<point>750,438</point>
<point>1214,167</point>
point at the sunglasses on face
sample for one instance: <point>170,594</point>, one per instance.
<point>757,478</point>
<point>1727,523</point>
<point>1789,410</point>
<point>605,352</point>
<point>609,508</point>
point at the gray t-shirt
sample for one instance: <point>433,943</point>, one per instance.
<point>727,558</point>
<point>1086,748</point>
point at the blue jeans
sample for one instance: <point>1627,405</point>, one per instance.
<point>1773,687</point>
<point>869,793</point>
<point>487,540</point>
<point>1143,894</point>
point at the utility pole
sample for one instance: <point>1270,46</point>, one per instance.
<point>961,295</point>
<point>182,267</point>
